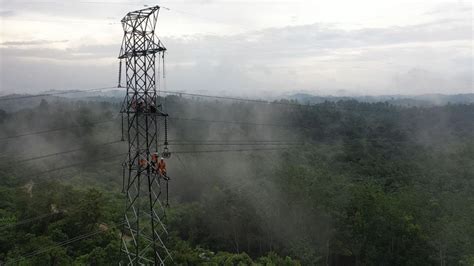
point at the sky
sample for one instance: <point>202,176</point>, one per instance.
<point>247,48</point>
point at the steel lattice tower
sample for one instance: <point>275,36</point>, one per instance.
<point>143,231</point>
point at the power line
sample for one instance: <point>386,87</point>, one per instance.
<point>176,152</point>
<point>161,91</point>
<point>207,143</point>
<point>92,161</point>
<point>55,129</point>
<point>64,20</point>
<point>53,93</point>
<point>80,163</point>
<point>57,245</point>
<point>29,220</point>
<point>80,2</point>
<point>111,120</point>
<point>176,144</point>
<point>227,141</point>
<point>117,155</point>
<point>289,146</point>
<point>171,144</point>
<point>266,143</point>
<point>179,93</point>
<point>228,150</point>
<point>62,168</point>
<point>234,144</point>
<point>175,118</point>
<point>61,153</point>
<point>334,107</point>
<point>184,13</point>
<point>229,122</point>
<point>221,97</point>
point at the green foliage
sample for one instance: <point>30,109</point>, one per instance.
<point>374,184</point>
<point>227,259</point>
<point>184,254</point>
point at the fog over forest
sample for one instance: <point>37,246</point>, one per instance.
<point>342,182</point>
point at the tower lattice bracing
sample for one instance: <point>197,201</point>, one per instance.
<point>144,232</point>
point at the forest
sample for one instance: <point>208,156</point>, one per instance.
<point>334,183</point>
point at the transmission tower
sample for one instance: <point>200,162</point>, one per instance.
<point>143,232</point>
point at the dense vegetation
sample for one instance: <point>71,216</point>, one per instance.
<point>373,184</point>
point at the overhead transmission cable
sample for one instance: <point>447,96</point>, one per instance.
<point>230,122</point>
<point>228,150</point>
<point>82,2</point>
<point>92,161</point>
<point>111,120</point>
<point>63,21</point>
<point>222,143</point>
<point>56,245</point>
<point>267,147</point>
<point>22,160</point>
<point>177,152</point>
<point>236,144</point>
<point>180,93</point>
<point>265,102</point>
<point>29,220</point>
<point>196,143</point>
<point>220,97</point>
<point>56,129</point>
<point>54,93</point>
<point>227,141</point>
<point>172,118</point>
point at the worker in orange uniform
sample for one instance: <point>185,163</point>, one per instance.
<point>154,163</point>
<point>162,168</point>
<point>143,163</point>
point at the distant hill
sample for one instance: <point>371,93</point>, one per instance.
<point>402,100</point>
<point>15,102</point>
<point>22,101</point>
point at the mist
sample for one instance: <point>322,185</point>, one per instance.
<point>293,196</point>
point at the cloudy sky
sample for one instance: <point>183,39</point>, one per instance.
<point>247,47</point>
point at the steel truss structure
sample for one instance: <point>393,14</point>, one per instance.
<point>143,232</point>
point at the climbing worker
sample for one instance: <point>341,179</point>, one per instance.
<point>162,168</point>
<point>141,106</point>
<point>143,162</point>
<point>154,157</point>
<point>154,163</point>
<point>151,105</point>
<point>152,108</point>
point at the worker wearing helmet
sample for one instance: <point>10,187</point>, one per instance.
<point>154,163</point>
<point>154,157</point>
<point>143,163</point>
<point>162,168</point>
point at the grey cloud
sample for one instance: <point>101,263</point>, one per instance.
<point>32,42</point>
<point>294,41</point>
<point>372,59</point>
<point>75,9</point>
<point>18,75</point>
<point>7,13</point>
<point>317,39</point>
<point>87,52</point>
<point>312,57</point>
